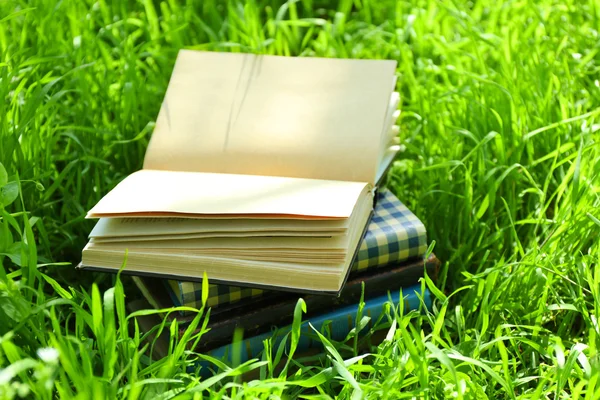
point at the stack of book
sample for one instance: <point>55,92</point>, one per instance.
<point>266,174</point>
<point>390,259</point>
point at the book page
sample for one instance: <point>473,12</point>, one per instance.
<point>131,227</point>
<point>150,238</point>
<point>223,244</point>
<point>277,116</point>
<point>205,195</point>
<point>326,276</point>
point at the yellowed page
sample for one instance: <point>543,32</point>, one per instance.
<point>387,158</point>
<point>290,275</point>
<point>310,257</point>
<point>295,243</point>
<point>301,275</point>
<point>277,116</point>
<point>392,115</point>
<point>209,194</point>
<point>150,238</point>
<point>131,227</point>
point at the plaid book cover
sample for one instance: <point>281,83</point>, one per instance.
<point>394,235</point>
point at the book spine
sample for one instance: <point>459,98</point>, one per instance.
<point>342,321</point>
<point>396,235</point>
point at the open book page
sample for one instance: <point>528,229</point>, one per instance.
<point>277,116</point>
<point>209,195</point>
<point>151,227</point>
<point>204,235</point>
<point>322,267</point>
<point>329,243</point>
<point>387,158</point>
<point>280,275</point>
<point>310,258</point>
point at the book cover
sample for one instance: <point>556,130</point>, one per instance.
<point>339,323</point>
<point>258,315</point>
<point>339,320</point>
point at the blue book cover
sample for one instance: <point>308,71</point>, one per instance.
<point>341,322</point>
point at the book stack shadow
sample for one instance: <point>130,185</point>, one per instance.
<point>264,182</point>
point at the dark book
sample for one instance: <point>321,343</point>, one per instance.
<point>257,316</point>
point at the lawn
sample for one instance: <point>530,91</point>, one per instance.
<point>501,161</point>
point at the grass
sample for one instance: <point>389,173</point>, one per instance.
<point>502,162</point>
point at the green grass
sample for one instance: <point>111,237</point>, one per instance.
<point>501,103</point>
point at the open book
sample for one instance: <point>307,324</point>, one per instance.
<point>261,172</point>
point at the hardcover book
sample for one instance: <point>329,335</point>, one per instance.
<point>340,320</point>
<point>261,172</point>
<point>275,309</point>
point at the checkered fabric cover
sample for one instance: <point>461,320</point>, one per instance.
<point>394,235</point>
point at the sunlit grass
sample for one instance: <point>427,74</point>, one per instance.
<point>499,121</point>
